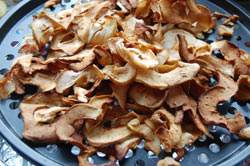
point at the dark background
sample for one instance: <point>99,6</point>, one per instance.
<point>245,4</point>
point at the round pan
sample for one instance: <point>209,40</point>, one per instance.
<point>15,25</point>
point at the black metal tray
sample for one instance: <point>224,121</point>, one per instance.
<point>232,150</point>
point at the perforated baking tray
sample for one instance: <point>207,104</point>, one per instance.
<point>225,150</point>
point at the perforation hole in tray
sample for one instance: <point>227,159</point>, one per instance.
<point>14,43</point>
<point>75,150</point>
<point>139,163</point>
<point>203,158</point>
<point>3,71</point>
<point>10,57</point>
<point>51,148</point>
<point>19,31</point>
<point>14,105</point>
<point>19,116</point>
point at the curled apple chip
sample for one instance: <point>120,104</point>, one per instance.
<point>176,97</point>
<point>219,64</point>
<point>225,89</point>
<point>120,75</point>
<point>139,55</point>
<point>199,17</point>
<point>130,143</point>
<point>152,141</point>
<point>65,129</point>
<point>47,114</point>
<point>120,93</point>
<point>7,87</point>
<point>165,11</point>
<point>103,56</point>
<point>145,96</point>
<point>51,3</point>
<point>66,79</point>
<point>168,161</point>
<point>83,59</point>
<point>243,93</point>
<point>245,133</point>
<point>185,54</point>
<point>167,68</point>
<point>129,24</point>
<point>107,136</point>
<point>66,42</point>
<point>40,132</point>
<point>182,73</point>
<point>92,74</point>
<point>42,29</point>
<point>170,39</point>
<point>29,46</point>
<point>225,31</point>
<point>169,132</point>
<point>85,154</point>
<point>97,32</point>
<point>231,53</point>
<point>63,18</point>
<point>80,94</point>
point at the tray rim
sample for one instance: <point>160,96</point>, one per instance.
<point>24,150</point>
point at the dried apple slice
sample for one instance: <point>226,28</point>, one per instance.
<point>120,75</point>
<point>45,82</point>
<point>63,18</point>
<point>85,154</point>
<point>103,137</point>
<point>97,32</point>
<point>139,55</point>
<point>39,132</point>
<point>186,55</point>
<point>245,133</point>
<point>152,141</point>
<point>29,46</point>
<point>120,93</point>
<point>65,129</point>
<point>170,39</point>
<point>7,87</point>
<point>167,161</point>
<point>243,93</point>
<point>142,9</point>
<point>85,57</point>
<point>231,53</point>
<point>145,96</point>
<point>223,91</point>
<point>66,79</point>
<point>42,29</point>
<point>122,148</point>
<point>219,64</point>
<point>67,42</point>
<point>169,137</point>
<point>176,97</point>
<point>80,94</point>
<point>182,73</point>
<point>225,31</point>
<point>47,114</point>
<point>103,57</point>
